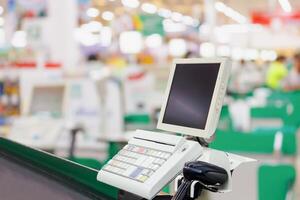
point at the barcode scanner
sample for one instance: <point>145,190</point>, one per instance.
<point>209,176</point>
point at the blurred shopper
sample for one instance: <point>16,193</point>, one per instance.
<point>276,73</point>
<point>245,77</point>
<point>292,81</point>
<point>190,54</point>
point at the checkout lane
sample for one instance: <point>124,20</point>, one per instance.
<point>38,175</point>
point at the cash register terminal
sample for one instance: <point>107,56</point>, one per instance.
<point>193,101</point>
<point>43,116</point>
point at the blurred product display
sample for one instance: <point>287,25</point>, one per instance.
<point>9,94</point>
<point>79,77</point>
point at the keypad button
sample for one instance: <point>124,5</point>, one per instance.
<point>137,163</point>
<point>147,172</point>
<point>159,154</point>
<point>142,178</point>
<point>147,162</point>
<point>128,171</point>
<point>136,172</point>
<point>159,161</point>
<point>166,155</point>
<point>154,167</point>
<point>140,160</point>
<point>108,167</point>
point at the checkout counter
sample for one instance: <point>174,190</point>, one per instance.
<point>37,175</point>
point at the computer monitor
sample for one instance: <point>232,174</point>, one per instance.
<point>47,98</point>
<point>194,96</point>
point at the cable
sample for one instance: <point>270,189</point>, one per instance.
<point>182,190</point>
<point>202,142</point>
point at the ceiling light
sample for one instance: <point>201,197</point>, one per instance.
<point>92,12</point>
<point>251,54</point>
<point>268,55</point>
<point>176,16</point>
<point>131,42</point>
<point>19,39</point>
<point>171,26</point>
<point>1,21</point>
<point>149,8</point>
<point>153,41</point>
<point>177,47</point>
<point>92,26</point>
<point>86,38</point>
<point>164,13</point>
<point>221,7</point>
<point>285,5</point>
<point>229,12</point>
<point>223,50</point>
<point>108,16</point>
<point>106,36</point>
<point>207,50</point>
<point>237,53</point>
<point>131,3</point>
<point>188,20</point>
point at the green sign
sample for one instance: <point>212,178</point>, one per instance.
<point>152,24</point>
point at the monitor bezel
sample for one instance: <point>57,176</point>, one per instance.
<point>27,106</point>
<point>218,95</point>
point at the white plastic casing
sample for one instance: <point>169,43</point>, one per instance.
<point>183,152</point>
<point>216,102</point>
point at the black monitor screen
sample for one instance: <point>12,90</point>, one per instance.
<point>191,94</point>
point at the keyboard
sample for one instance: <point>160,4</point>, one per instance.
<point>137,162</point>
<point>148,162</point>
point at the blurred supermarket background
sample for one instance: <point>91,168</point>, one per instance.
<point>95,70</point>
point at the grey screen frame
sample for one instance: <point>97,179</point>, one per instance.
<point>188,104</point>
<point>216,103</point>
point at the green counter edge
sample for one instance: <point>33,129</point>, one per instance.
<point>75,173</point>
